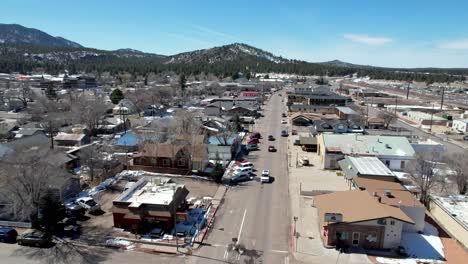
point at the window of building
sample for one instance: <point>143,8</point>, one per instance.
<point>402,164</point>
<point>166,162</point>
<point>381,221</point>
<point>356,238</point>
<point>387,162</point>
<point>153,161</point>
<point>181,162</point>
<point>392,222</point>
<point>343,236</point>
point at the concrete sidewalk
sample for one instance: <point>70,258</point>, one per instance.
<point>306,246</point>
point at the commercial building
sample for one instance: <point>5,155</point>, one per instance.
<point>396,195</point>
<point>452,213</point>
<point>151,202</point>
<point>356,218</point>
<point>394,152</point>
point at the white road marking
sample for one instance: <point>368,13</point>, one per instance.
<point>242,225</point>
<point>226,254</point>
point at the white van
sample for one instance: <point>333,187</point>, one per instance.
<point>243,170</point>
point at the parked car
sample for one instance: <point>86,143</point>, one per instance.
<point>253,146</point>
<point>284,133</point>
<point>253,141</point>
<point>283,115</point>
<point>283,121</point>
<point>271,149</point>
<point>240,177</point>
<point>265,178</point>
<point>255,135</point>
<point>294,132</point>
<point>8,235</point>
<point>465,138</point>
<point>35,238</point>
<point>246,164</point>
<point>245,169</point>
<point>297,142</point>
<point>156,233</point>
<point>271,138</point>
<point>305,161</point>
<point>89,204</point>
<point>73,209</point>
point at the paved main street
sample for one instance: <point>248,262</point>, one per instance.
<point>257,214</point>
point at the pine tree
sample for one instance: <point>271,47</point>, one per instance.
<point>116,96</point>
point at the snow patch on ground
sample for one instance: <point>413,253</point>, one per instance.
<point>425,247</point>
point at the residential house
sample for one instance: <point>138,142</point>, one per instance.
<point>27,132</point>
<point>335,126</point>
<point>149,204</point>
<point>307,119</point>
<point>375,123</point>
<point>249,94</point>
<point>112,125</point>
<point>356,218</point>
<point>71,140</point>
<point>346,113</point>
<point>224,148</point>
<point>154,110</point>
<point>170,158</point>
<point>396,195</point>
<point>212,110</point>
<point>394,152</point>
<point>240,111</point>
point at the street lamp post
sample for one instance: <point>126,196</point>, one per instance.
<point>295,233</point>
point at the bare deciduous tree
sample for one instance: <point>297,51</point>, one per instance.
<point>25,177</point>
<point>387,117</point>
<point>458,163</point>
<point>422,171</point>
<point>89,112</point>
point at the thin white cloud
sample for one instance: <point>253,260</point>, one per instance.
<point>366,39</point>
<point>457,44</point>
<point>212,32</point>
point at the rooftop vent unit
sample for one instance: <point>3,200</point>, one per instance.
<point>388,146</point>
<point>387,193</point>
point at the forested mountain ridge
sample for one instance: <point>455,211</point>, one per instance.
<point>222,61</point>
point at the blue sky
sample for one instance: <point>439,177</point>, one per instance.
<point>394,33</point>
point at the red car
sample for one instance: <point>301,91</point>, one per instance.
<point>253,140</point>
<point>271,149</point>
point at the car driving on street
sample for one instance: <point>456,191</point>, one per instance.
<point>265,178</point>
<point>271,149</point>
<point>284,133</point>
<point>271,138</point>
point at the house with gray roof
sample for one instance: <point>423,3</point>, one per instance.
<point>366,167</point>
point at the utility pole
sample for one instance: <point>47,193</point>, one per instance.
<point>442,99</point>
<point>407,91</point>
<point>432,114</point>
<point>175,218</point>
<point>51,135</point>
<point>396,104</point>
